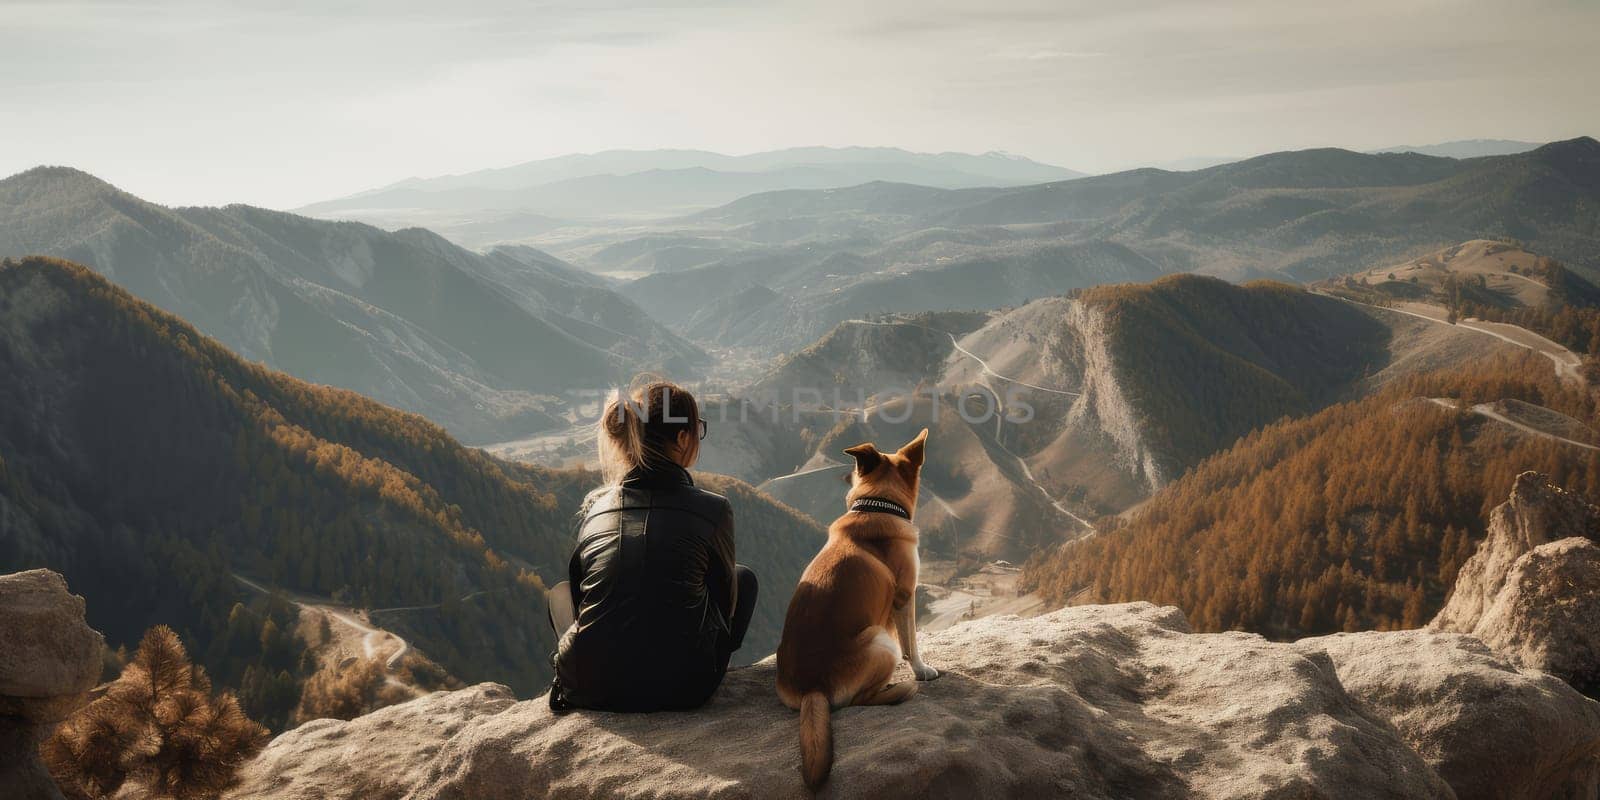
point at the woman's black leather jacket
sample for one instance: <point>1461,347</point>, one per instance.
<point>653,584</point>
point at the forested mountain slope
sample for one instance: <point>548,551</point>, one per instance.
<point>1201,361</point>
<point>1352,518</point>
<point>150,465</point>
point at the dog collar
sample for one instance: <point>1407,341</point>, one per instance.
<point>886,506</point>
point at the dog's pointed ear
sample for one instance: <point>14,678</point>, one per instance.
<point>913,451</point>
<point>866,456</point>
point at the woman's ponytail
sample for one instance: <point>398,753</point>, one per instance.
<point>621,438</point>
<point>640,428</point>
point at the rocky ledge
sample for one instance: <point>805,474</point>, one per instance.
<point>1090,702</point>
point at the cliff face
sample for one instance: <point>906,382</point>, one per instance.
<point>1104,405</point>
<point>1532,590</point>
<point>1092,702</point>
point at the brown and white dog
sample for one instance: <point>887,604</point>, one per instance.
<point>854,614</point>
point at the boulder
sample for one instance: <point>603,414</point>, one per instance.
<point>50,651</point>
<point>1091,702</point>
<point>1532,590</point>
<point>1547,616</point>
<point>1491,730</point>
<point>49,660</point>
<point>1536,513</point>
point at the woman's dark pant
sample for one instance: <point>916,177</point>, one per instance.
<point>563,611</point>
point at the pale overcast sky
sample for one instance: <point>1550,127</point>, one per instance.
<point>284,103</point>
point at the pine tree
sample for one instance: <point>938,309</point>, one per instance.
<point>158,728</point>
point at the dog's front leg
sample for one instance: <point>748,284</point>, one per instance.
<point>905,619</point>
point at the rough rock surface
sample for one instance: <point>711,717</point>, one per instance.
<point>1491,730</point>
<point>1535,514</point>
<point>49,660</point>
<point>49,650</point>
<point>1548,615</point>
<point>1091,701</point>
<point>1532,590</point>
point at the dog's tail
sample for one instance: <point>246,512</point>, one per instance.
<point>816,739</point>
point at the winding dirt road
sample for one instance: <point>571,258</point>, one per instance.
<point>370,635</point>
<point>1484,410</point>
<point>984,365</point>
<point>1567,363</point>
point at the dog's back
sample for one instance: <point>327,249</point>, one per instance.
<point>846,590</point>
<point>841,637</point>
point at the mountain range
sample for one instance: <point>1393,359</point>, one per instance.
<point>1459,148</point>
<point>476,341</point>
<point>644,183</point>
<point>772,271</point>
<point>1464,148</point>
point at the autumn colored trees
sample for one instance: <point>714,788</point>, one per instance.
<point>349,690</point>
<point>159,727</point>
<point>152,466</point>
<point>1356,517</point>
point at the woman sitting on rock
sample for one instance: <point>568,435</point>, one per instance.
<point>654,604</point>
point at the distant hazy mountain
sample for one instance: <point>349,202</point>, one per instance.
<point>1465,148</point>
<point>815,292</point>
<point>1300,215</point>
<point>1191,163</point>
<point>406,317</point>
<point>666,182</point>
<point>826,256</point>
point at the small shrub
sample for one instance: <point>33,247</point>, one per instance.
<point>346,692</point>
<point>158,728</point>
